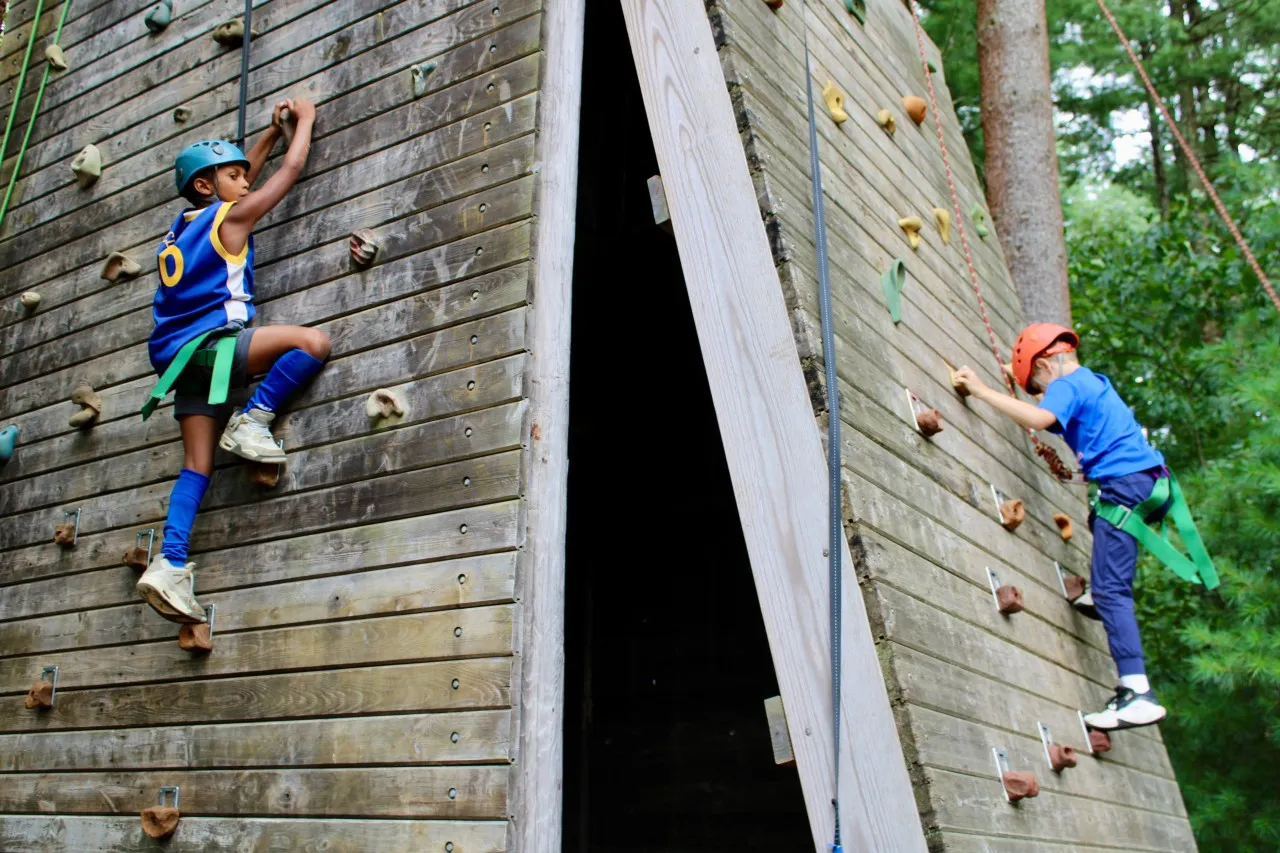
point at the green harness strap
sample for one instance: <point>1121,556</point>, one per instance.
<point>1197,567</point>
<point>221,357</point>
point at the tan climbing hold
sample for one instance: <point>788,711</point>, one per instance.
<point>87,166</point>
<point>1012,513</point>
<point>195,638</point>
<point>40,696</point>
<point>943,219</point>
<point>90,403</point>
<point>1008,599</point>
<point>1063,521</point>
<point>1020,784</point>
<point>1074,585</point>
<point>55,57</point>
<point>962,390</point>
<point>835,102</point>
<point>30,300</point>
<point>929,422</point>
<point>136,558</point>
<point>885,119</point>
<point>229,33</point>
<point>1099,741</point>
<point>1061,757</point>
<point>160,821</point>
<point>916,108</point>
<point>911,225</point>
<point>65,534</point>
<point>384,403</point>
<point>119,265</point>
<point>364,247</point>
<point>264,474</point>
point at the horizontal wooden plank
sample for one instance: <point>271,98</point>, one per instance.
<point>78,834</point>
<point>405,740</point>
<point>456,792</point>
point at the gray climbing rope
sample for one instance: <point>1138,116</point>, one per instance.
<point>244,70</point>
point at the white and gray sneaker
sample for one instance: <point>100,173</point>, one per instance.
<point>170,590</point>
<point>1127,710</point>
<point>248,434</point>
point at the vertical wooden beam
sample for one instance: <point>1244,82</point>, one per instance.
<point>539,773</point>
<point>770,436</point>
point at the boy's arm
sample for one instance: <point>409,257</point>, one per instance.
<point>261,149</point>
<point>245,214</point>
<point>1029,416</point>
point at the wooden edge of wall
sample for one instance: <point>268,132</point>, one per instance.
<point>537,781</point>
<point>771,438</point>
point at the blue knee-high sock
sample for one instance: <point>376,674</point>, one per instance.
<point>290,372</point>
<point>184,502</point>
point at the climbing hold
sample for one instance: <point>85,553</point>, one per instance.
<point>419,75</point>
<point>55,57</point>
<point>979,217</point>
<point>65,534</point>
<point>288,126</point>
<point>198,639</point>
<point>384,403</point>
<point>835,102</point>
<point>42,694</point>
<point>1008,599</point>
<point>911,225</point>
<point>892,280</point>
<point>885,119</point>
<point>364,247</point>
<point>229,33</point>
<point>1064,525</point>
<point>90,403</point>
<point>87,166</point>
<point>119,265</point>
<point>943,219</point>
<point>1019,784</point>
<point>916,108</point>
<point>1099,741</point>
<point>933,69</point>
<point>1061,757</point>
<point>1012,513</point>
<point>161,821</point>
<point>8,442</point>
<point>857,8</point>
<point>136,558</point>
<point>775,5</point>
<point>1074,585</point>
<point>962,390</point>
<point>182,115</point>
<point>929,422</point>
<point>159,16</point>
<point>30,300</point>
<point>265,474</point>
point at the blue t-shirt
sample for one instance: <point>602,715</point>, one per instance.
<point>202,286</point>
<point>1098,425</point>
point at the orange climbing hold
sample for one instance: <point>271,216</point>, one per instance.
<point>265,475</point>
<point>65,534</point>
<point>929,422</point>
<point>1012,513</point>
<point>1063,521</point>
<point>160,821</point>
<point>1061,757</point>
<point>916,108</point>
<point>195,638</point>
<point>1009,599</point>
<point>1020,785</point>
<point>1099,741</point>
<point>40,696</point>
<point>136,558</point>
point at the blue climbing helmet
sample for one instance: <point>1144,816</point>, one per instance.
<point>201,155</point>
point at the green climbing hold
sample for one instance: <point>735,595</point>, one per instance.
<point>857,8</point>
<point>8,440</point>
<point>979,217</point>
<point>892,281</point>
<point>159,16</point>
<point>420,73</point>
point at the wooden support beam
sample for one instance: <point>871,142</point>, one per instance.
<point>771,439</point>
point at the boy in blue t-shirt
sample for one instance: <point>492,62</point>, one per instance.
<point>1084,408</point>
<point>202,311</point>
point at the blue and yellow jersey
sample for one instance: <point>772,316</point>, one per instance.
<point>202,286</point>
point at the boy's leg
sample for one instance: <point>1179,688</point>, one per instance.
<point>291,356</point>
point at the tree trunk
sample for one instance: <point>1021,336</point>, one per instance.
<point>1157,160</point>
<point>1022,161</point>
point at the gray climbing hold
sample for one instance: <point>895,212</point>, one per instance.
<point>30,300</point>
<point>159,16</point>
<point>420,73</point>
<point>120,265</point>
<point>364,247</point>
<point>8,441</point>
<point>182,115</point>
<point>55,57</point>
<point>229,33</point>
<point>384,403</point>
<point>90,403</point>
<point>87,166</point>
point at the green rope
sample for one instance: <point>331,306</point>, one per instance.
<point>35,109</point>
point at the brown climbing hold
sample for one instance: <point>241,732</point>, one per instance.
<point>119,265</point>
<point>264,474</point>
<point>55,57</point>
<point>911,225</point>
<point>1012,513</point>
<point>930,422</point>
<point>384,403</point>
<point>885,119</point>
<point>1009,599</point>
<point>182,115</point>
<point>916,108</point>
<point>195,638</point>
<point>775,5</point>
<point>1061,757</point>
<point>65,534</point>
<point>1020,784</point>
<point>1099,741</point>
<point>943,219</point>
<point>136,558</point>
<point>835,102</point>
<point>30,300</point>
<point>1074,585</point>
<point>87,166</point>
<point>90,403</point>
<point>1064,525</point>
<point>160,821</point>
<point>40,696</point>
<point>229,33</point>
<point>364,247</point>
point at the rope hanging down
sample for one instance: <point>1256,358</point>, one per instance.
<point>244,70</point>
<point>1191,158</point>
<point>834,530</point>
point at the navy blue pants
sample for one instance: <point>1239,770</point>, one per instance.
<point>1115,555</point>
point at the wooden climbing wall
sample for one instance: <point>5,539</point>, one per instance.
<point>362,694</point>
<point>920,513</point>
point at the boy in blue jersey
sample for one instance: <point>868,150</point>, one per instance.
<point>202,339</point>
<point>1084,408</point>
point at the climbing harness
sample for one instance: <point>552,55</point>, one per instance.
<point>1194,566</point>
<point>35,109</point>
<point>1045,451</point>
<point>1191,158</point>
<point>221,357</point>
<point>834,528</point>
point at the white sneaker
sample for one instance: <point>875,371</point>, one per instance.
<point>170,590</point>
<point>248,434</point>
<point>1127,710</point>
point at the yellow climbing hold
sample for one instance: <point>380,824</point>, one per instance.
<point>835,102</point>
<point>119,265</point>
<point>87,166</point>
<point>911,225</point>
<point>943,219</point>
<point>30,300</point>
<point>55,57</point>
<point>885,119</point>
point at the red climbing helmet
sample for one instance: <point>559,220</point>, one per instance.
<point>1036,340</point>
